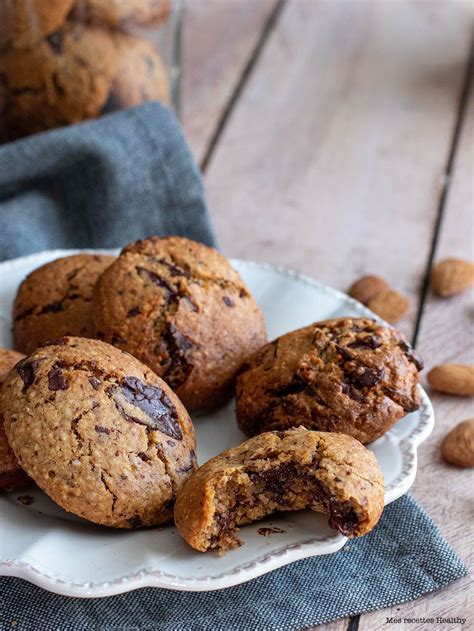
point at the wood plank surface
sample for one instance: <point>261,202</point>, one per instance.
<point>446,335</point>
<point>219,37</point>
<point>332,163</point>
<point>333,159</point>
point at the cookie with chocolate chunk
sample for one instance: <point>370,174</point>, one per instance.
<point>55,300</point>
<point>12,475</point>
<point>183,310</point>
<point>62,79</point>
<point>99,432</point>
<point>281,471</point>
<point>348,375</point>
<point>22,23</point>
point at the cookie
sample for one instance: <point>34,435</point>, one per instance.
<point>12,475</point>
<point>98,432</point>
<point>56,300</point>
<point>348,375</point>
<point>119,13</point>
<point>65,78</point>
<point>22,23</point>
<point>281,471</point>
<point>141,75</point>
<point>183,310</point>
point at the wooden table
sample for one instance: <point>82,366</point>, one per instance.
<point>336,138</point>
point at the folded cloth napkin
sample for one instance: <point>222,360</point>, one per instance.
<point>126,176</point>
<point>101,184</point>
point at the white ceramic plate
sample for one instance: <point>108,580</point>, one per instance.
<point>64,554</point>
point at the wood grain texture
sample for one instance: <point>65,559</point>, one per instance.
<point>446,335</point>
<point>333,159</point>
<point>218,39</point>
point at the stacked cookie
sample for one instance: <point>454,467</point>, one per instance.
<point>120,349</point>
<point>63,61</point>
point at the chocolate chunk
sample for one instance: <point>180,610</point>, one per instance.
<point>412,355</point>
<point>174,270</point>
<point>349,389</point>
<point>154,278</point>
<point>102,430</point>
<point>52,307</point>
<point>366,377</point>
<point>57,380</point>
<point>24,314</point>
<point>73,274</point>
<point>295,387</point>
<point>228,301</point>
<point>143,456</point>
<point>95,383</point>
<point>134,311</point>
<point>370,341</point>
<point>26,500</point>
<point>178,368</point>
<point>270,531</point>
<point>346,522</point>
<point>56,40</point>
<point>154,402</point>
<point>26,369</point>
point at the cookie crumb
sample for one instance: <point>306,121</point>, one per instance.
<point>26,500</point>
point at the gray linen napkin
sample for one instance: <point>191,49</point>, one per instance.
<point>126,176</point>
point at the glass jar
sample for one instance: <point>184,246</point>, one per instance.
<point>65,61</point>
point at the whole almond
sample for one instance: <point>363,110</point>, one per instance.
<point>452,276</point>
<point>452,379</point>
<point>458,445</point>
<point>367,287</point>
<point>389,305</point>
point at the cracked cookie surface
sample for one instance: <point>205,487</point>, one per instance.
<point>280,471</point>
<point>62,79</point>
<point>182,309</point>
<point>55,300</point>
<point>348,375</point>
<point>98,432</point>
<point>12,475</point>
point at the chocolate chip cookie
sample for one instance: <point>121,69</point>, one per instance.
<point>141,75</point>
<point>281,471</point>
<point>119,13</point>
<point>22,23</point>
<point>99,432</point>
<point>12,475</point>
<point>56,299</point>
<point>64,78</point>
<point>348,375</point>
<point>182,309</point>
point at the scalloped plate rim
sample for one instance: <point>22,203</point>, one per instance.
<point>151,577</point>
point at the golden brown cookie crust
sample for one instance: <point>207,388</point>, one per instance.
<point>116,13</point>
<point>348,375</point>
<point>56,300</point>
<point>279,471</point>
<point>22,23</point>
<point>12,475</point>
<point>141,75</point>
<point>64,78</point>
<point>98,432</point>
<point>182,309</point>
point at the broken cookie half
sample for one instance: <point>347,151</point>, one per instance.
<point>281,471</point>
